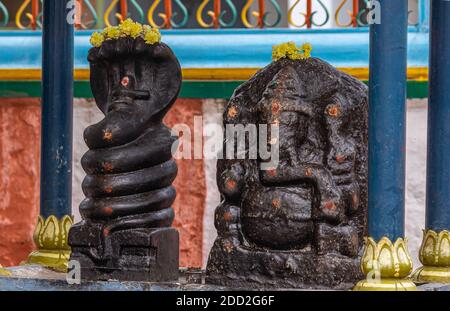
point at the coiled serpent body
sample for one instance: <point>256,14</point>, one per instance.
<point>129,164</point>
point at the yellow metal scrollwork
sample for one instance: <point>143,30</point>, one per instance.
<point>108,12</point>
<point>20,13</point>
<point>262,14</point>
<point>199,15</point>
<point>151,11</point>
<point>291,12</point>
<point>336,15</point>
<point>244,12</point>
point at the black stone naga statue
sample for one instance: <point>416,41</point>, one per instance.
<point>125,233</point>
<point>300,223</point>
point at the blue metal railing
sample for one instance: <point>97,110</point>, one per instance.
<point>209,14</point>
<point>57,97</point>
<point>387,122</point>
<point>438,166</point>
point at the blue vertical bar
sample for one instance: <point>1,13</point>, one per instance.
<point>387,120</point>
<point>438,166</point>
<point>57,95</point>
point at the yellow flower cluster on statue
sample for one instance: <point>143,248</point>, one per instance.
<point>307,48</point>
<point>111,33</point>
<point>151,35</point>
<point>291,51</point>
<point>97,39</point>
<point>127,28</point>
<point>130,28</point>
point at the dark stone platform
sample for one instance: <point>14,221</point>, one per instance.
<point>127,255</point>
<point>232,264</point>
<point>37,278</point>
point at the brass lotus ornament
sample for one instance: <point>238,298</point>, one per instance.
<point>50,237</point>
<point>4,272</point>
<point>386,266</point>
<point>434,254</point>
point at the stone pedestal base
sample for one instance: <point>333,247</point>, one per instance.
<point>231,264</point>
<point>128,255</point>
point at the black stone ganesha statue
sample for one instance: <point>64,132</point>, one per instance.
<point>125,233</point>
<point>299,223</point>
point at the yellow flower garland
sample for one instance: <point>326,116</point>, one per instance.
<point>291,51</point>
<point>126,28</point>
<point>151,35</point>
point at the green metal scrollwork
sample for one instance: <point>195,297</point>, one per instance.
<point>5,14</point>
<point>327,15</point>
<point>278,12</point>
<point>39,17</point>
<point>184,13</point>
<point>168,15</point>
<point>139,10</point>
<point>362,12</point>
<point>309,16</point>
<point>290,16</point>
<point>92,23</point>
<point>234,15</point>
<point>338,11</point>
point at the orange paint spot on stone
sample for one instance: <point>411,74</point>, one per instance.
<point>108,189</point>
<point>309,172</point>
<point>232,112</point>
<point>125,81</point>
<point>333,110</point>
<point>276,107</point>
<point>228,246</point>
<point>107,210</point>
<point>227,216</point>
<point>107,166</point>
<point>272,172</point>
<point>107,135</point>
<point>340,158</point>
<point>329,205</point>
<point>231,184</point>
<point>276,203</point>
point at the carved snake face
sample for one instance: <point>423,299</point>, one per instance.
<point>134,84</point>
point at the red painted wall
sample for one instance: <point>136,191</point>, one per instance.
<point>19,177</point>
<point>191,190</point>
<point>19,182</point>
